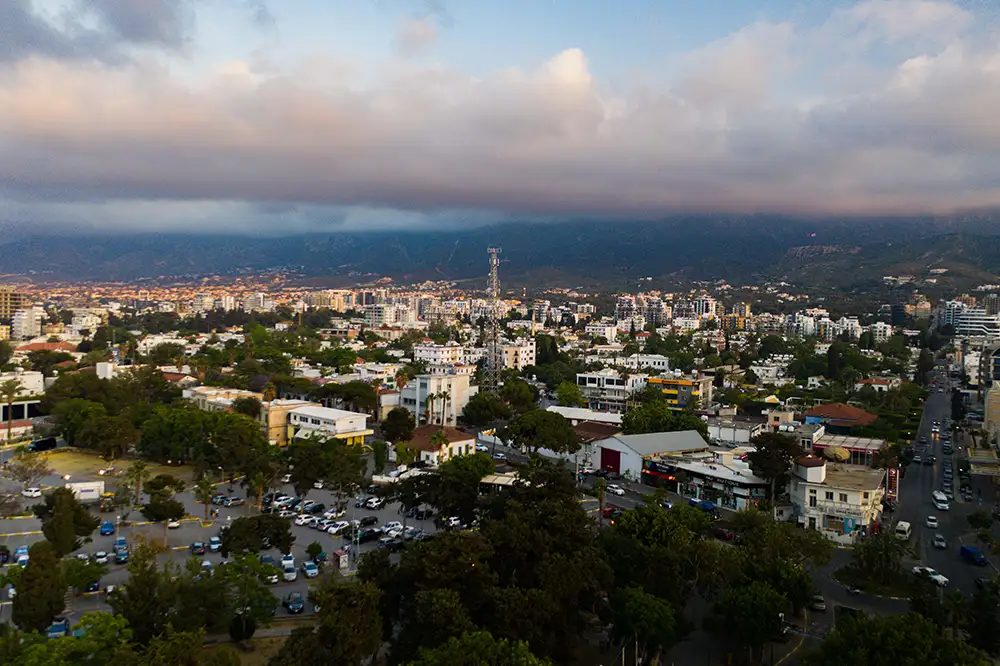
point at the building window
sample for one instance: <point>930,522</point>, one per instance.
<point>843,497</point>
<point>812,501</point>
<point>866,496</point>
<point>829,495</point>
<point>812,491</point>
<point>451,451</point>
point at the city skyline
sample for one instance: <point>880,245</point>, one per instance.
<point>237,116</point>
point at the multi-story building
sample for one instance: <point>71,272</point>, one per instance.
<point>27,323</point>
<point>974,322</point>
<point>4,332</point>
<point>389,314</point>
<point>435,354</point>
<point>991,303</point>
<point>518,354</point>
<point>605,330</point>
<point>326,423</point>
<point>989,364</point>
<point>439,396</point>
<point>840,501</point>
<point>11,301</point>
<point>658,362</point>
<point>682,392</point>
<point>991,413</point>
<point>880,331</point>
<point>608,390</point>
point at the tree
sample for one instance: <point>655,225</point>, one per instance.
<point>248,599</point>
<point>436,617</point>
<point>456,492</point>
<point>349,627</point>
<point>893,639</point>
<point>647,620</point>
<point>542,429</point>
<point>79,574</point>
<point>10,390</point>
<point>72,415</point>
<point>484,409</point>
<point>398,425</point>
<point>204,491</point>
<point>65,521</point>
<point>656,416</point>
<point>137,474</point>
<point>569,395</point>
<point>479,649</point>
<point>879,557</point>
<point>111,436</point>
<point>41,596</point>
<point>980,520</point>
<point>308,463</point>
<point>519,395</point>
<point>751,613</point>
<point>146,597</point>
<point>162,507</point>
<point>380,455</point>
<point>6,352</point>
<point>29,468</point>
<point>247,406</point>
<point>774,456</point>
<point>251,534</point>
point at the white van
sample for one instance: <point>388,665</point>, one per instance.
<point>940,501</point>
<point>903,530</point>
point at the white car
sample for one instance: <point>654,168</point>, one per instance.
<point>932,521</point>
<point>939,541</point>
<point>173,524</point>
<point>616,490</point>
<point>289,574</point>
<point>32,492</point>
<point>394,533</point>
<point>287,560</point>
<point>101,557</point>
<point>318,485</point>
<point>287,513</point>
<point>303,519</point>
<point>930,573</point>
<point>392,525</point>
<point>338,527</point>
<point>335,512</point>
<point>453,521</point>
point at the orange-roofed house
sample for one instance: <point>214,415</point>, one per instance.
<point>453,443</point>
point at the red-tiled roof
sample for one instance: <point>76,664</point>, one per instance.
<point>841,414</point>
<point>47,346</point>
<point>811,461</point>
<point>876,380</point>
<point>422,436</point>
<point>175,376</point>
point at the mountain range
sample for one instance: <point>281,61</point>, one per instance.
<point>836,253</point>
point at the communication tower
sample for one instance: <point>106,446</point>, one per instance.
<point>494,351</point>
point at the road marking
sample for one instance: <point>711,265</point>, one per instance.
<point>14,534</point>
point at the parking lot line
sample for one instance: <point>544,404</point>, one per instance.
<point>14,534</point>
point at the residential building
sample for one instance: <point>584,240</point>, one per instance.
<point>27,323</point>
<point>452,443</point>
<point>989,364</point>
<point>991,412</point>
<point>733,433</point>
<point>439,396</point>
<point>657,362</point>
<point>840,501</point>
<point>31,382</point>
<point>838,417</point>
<point>274,418</point>
<point>217,399</point>
<point>608,390</point>
<point>324,423</point>
<point>435,354</point>
<point>11,301</point>
<point>608,331</point>
<point>577,415</point>
<point>881,332</point>
<point>859,450</point>
<point>974,322</point>
<point>682,391</point>
<point>518,354</point>
<point>879,384</point>
<point>4,332</point>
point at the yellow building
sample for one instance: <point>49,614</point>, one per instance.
<point>681,392</point>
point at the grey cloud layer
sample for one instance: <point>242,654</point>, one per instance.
<point>724,135</point>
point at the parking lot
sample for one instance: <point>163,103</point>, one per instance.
<point>26,531</point>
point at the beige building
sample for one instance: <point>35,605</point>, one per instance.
<point>991,413</point>
<point>840,501</point>
<point>12,301</point>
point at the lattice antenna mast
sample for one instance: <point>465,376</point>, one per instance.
<point>494,352</point>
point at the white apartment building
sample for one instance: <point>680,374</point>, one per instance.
<point>324,422</point>
<point>440,395</point>
<point>435,354</point>
<point>151,341</point>
<point>881,332</point>
<point>841,501</point>
<point>27,323</point>
<point>607,390</point>
<point>31,382</point>
<point>389,314</point>
<point>974,322</point>
<point>658,362</point>
<point>84,321</point>
<point>605,330</point>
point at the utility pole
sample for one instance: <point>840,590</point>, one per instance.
<point>494,350</point>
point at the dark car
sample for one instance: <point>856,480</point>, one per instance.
<point>372,489</point>
<point>198,548</point>
<point>93,587</point>
<point>361,501</point>
<point>392,545</point>
<point>421,513</point>
<point>423,536</point>
<point>368,521</point>
<point>121,555</point>
<point>724,534</point>
<point>60,627</point>
<point>294,602</point>
<point>929,460</point>
<point>316,508</point>
<point>364,535</point>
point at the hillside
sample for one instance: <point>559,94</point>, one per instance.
<point>834,253</point>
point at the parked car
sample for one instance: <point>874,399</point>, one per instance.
<point>60,627</point>
<point>818,603</point>
<point>615,489</point>
<point>318,485</point>
<point>367,521</point>
<point>121,555</point>
<point>338,527</point>
<point>173,524</point>
<point>392,544</point>
<point>32,492</point>
<point>931,574</point>
<point>375,503</point>
<point>973,555</point>
<point>302,519</point>
<point>289,574</point>
<point>101,557</point>
<point>234,501</point>
<point>725,534</point>
<point>294,602</point>
<point>316,509</point>
<point>310,569</point>
<point>214,544</point>
<point>198,548</point>
<point>219,499</point>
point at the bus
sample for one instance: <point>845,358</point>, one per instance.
<point>940,501</point>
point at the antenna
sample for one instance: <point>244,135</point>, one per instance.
<point>494,352</point>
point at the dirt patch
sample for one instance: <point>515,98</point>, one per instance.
<point>259,652</point>
<point>83,465</point>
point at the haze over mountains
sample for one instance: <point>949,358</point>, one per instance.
<point>816,252</point>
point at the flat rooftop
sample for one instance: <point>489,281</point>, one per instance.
<point>853,477</point>
<point>858,444</point>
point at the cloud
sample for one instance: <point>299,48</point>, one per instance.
<point>163,22</point>
<point>415,35</point>
<point>743,125</point>
<point>25,33</point>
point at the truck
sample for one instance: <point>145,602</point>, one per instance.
<point>973,555</point>
<point>87,492</point>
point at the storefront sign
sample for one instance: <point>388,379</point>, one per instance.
<point>892,483</point>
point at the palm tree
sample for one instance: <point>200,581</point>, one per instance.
<point>429,406</point>
<point>599,488</point>
<point>402,379</point>
<point>439,440</point>
<point>204,490</point>
<point>138,473</point>
<point>270,392</point>
<point>9,391</point>
<point>444,397</point>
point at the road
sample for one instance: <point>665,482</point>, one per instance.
<point>25,531</point>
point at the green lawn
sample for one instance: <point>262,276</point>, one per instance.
<point>903,586</point>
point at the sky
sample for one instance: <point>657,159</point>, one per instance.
<point>286,116</point>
